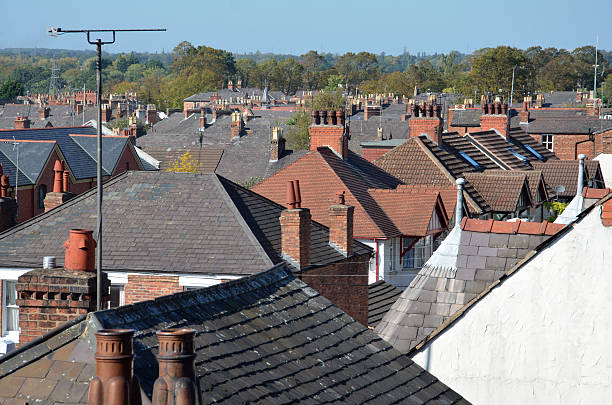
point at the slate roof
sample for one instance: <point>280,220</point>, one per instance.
<point>365,131</point>
<point>565,173</point>
<point>501,191</point>
<point>466,118</point>
<point>168,222</point>
<point>472,257</point>
<point>420,161</point>
<point>381,296</point>
<point>226,93</point>
<point>33,156</point>
<point>322,173</point>
<point>268,338</point>
<point>242,160</point>
<point>78,147</point>
<point>574,125</point>
<point>59,115</point>
<point>208,158</point>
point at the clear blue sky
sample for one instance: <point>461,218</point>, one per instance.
<point>331,26</point>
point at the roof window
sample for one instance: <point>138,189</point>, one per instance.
<point>470,160</point>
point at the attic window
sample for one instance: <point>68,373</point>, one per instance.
<point>536,154</point>
<point>516,154</point>
<point>470,160</point>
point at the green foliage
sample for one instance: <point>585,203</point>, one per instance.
<point>557,207</point>
<point>252,182</point>
<point>10,89</point>
<point>327,100</point>
<point>297,131</point>
<point>185,164</point>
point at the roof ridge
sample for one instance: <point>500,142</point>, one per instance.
<point>88,154</point>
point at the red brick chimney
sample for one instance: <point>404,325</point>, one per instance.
<point>151,114</point>
<point>43,113</point>
<point>202,120</point>
<point>8,205</point>
<point>239,84</point>
<point>341,226</point>
<point>114,382</point>
<point>295,229</point>
<point>426,120</point>
<point>524,114</point>
<point>495,116</point>
<point>277,145</point>
<point>606,213</point>
<point>230,85</point>
<point>327,129</point>
<point>22,122</point>
<point>60,193</point>
<point>176,381</point>
<point>49,297</point>
<point>107,113</point>
<point>236,126</point>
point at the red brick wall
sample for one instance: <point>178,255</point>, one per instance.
<point>432,126</point>
<point>328,135</point>
<point>499,122</point>
<point>344,283</point>
<point>295,234</point>
<point>127,161</point>
<point>146,287</point>
<point>563,145</point>
<point>371,154</point>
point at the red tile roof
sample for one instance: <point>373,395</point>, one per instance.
<point>512,228</point>
<point>595,193</point>
<point>501,191</point>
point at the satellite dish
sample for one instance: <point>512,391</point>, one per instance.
<point>559,189</point>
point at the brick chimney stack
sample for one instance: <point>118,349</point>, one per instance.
<point>236,126</point>
<point>239,84</point>
<point>151,114</point>
<point>22,122</point>
<point>524,114</point>
<point>327,129</point>
<point>277,145</point>
<point>8,205</point>
<point>426,120</point>
<point>107,113</point>
<point>49,297</point>
<point>202,120</point>
<point>43,113</point>
<point>230,85</point>
<point>176,381</point>
<point>341,226</point>
<point>295,229</point>
<point>495,116</point>
<point>60,193</point>
<point>114,383</point>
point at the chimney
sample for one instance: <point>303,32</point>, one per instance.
<point>43,113</point>
<point>539,100</point>
<point>379,134</point>
<point>493,118</point>
<point>606,213</point>
<point>295,229</point>
<point>202,120</point>
<point>277,145</point>
<point>230,85</point>
<point>107,113</point>
<point>593,108</point>
<point>151,114</point>
<point>8,205</point>
<point>235,126</point>
<point>524,114</point>
<point>459,207</point>
<point>22,122</point>
<point>239,84</point>
<point>60,193</point>
<point>329,132</point>
<point>176,382</point>
<point>49,297</point>
<point>78,107</point>
<point>341,226</point>
<point>114,382</point>
<point>425,120</point>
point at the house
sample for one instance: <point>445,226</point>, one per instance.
<point>401,223</point>
<point>37,150</point>
<point>266,338</point>
<point>540,333</point>
<point>167,232</point>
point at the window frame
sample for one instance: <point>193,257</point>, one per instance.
<point>13,335</point>
<point>545,141</point>
<point>40,202</point>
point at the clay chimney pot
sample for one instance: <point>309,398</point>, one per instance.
<point>80,250</point>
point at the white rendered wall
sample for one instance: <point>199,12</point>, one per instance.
<point>381,259</point>
<point>542,337</point>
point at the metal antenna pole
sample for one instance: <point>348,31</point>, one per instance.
<point>16,145</point>
<point>512,91</point>
<point>98,43</point>
<point>84,103</point>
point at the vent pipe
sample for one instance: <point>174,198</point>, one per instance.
<point>459,207</point>
<point>581,158</point>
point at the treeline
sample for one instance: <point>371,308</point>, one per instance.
<point>166,79</point>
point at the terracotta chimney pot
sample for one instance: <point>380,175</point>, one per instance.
<point>80,250</point>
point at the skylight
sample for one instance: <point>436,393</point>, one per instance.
<point>516,154</point>
<point>469,159</point>
<point>536,154</point>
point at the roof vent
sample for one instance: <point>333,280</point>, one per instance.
<point>49,262</point>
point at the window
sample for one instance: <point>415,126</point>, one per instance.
<point>516,154</point>
<point>533,151</point>
<point>10,310</point>
<point>469,159</point>
<point>422,250</point>
<point>547,142</point>
<point>117,295</point>
<point>42,192</point>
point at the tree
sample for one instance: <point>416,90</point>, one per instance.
<point>10,89</point>
<point>297,131</point>
<point>492,70</point>
<point>185,164</point>
<point>327,100</point>
<point>314,64</point>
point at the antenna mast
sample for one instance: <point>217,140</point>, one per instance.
<point>595,66</point>
<point>53,81</point>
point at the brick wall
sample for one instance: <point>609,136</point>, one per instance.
<point>295,236</point>
<point>563,145</point>
<point>432,126</point>
<point>328,135</point>
<point>147,287</point>
<point>344,283</point>
<point>371,154</point>
<point>496,121</point>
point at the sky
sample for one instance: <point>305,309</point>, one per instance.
<point>292,27</point>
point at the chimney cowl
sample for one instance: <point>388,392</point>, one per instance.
<point>4,185</point>
<point>80,250</point>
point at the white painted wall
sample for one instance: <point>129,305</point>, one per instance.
<point>543,336</point>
